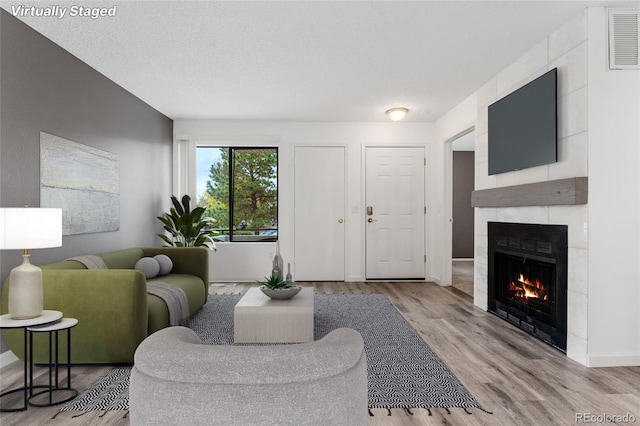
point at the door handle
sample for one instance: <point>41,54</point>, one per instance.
<point>371,220</point>
<point>340,220</point>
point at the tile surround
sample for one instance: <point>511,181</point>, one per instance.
<point>523,70</point>
<point>577,348</point>
<point>482,120</point>
<point>533,214</point>
<point>487,94</point>
<point>574,64</point>
<point>572,157</point>
<point>577,274</point>
<point>482,216</point>
<point>520,177</point>
<point>577,217</point>
<point>577,309</point>
<point>568,36</point>
<point>572,113</point>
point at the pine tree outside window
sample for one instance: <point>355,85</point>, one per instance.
<point>238,187</point>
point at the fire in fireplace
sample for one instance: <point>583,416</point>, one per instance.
<point>526,285</point>
<point>527,291</point>
<point>528,278</point>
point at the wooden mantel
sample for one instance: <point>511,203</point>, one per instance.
<point>561,192</point>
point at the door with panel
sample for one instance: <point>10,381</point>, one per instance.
<point>319,228</point>
<point>395,212</point>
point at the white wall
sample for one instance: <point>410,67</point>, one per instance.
<point>459,120</point>
<point>614,205</point>
<point>247,262</point>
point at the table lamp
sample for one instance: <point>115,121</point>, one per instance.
<point>24,229</point>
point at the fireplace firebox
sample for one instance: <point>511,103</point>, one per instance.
<point>527,278</point>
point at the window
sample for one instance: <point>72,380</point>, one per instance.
<point>238,187</point>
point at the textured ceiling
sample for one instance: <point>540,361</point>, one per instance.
<point>302,60</point>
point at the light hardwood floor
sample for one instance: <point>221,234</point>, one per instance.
<point>462,276</point>
<point>518,378</point>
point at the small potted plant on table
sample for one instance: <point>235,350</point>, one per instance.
<point>277,288</point>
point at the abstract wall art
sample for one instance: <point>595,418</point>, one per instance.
<point>83,181</point>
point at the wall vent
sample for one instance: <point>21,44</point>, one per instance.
<point>624,39</point>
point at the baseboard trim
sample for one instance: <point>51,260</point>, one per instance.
<point>7,358</point>
<point>613,360</point>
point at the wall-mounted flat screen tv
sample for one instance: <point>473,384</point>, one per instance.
<point>523,128</point>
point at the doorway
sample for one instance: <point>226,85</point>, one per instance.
<point>463,182</point>
<point>319,207</point>
<point>395,213</point>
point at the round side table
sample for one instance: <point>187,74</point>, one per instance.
<point>7,322</point>
<point>68,392</point>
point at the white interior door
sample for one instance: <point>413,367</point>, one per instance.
<point>395,213</point>
<point>319,228</point>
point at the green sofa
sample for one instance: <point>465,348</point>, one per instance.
<point>114,311</point>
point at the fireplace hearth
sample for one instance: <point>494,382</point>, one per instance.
<point>527,278</point>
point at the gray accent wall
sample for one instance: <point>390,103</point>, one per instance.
<point>44,88</point>
<point>463,222</point>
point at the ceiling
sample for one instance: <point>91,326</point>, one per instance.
<point>304,60</point>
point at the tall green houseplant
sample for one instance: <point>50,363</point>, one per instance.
<point>187,228</point>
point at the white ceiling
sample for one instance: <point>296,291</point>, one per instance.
<point>303,60</point>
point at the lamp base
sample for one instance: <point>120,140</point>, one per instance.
<point>25,290</point>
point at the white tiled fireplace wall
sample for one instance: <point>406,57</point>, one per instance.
<point>571,49</point>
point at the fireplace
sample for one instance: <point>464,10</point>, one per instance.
<point>527,278</point>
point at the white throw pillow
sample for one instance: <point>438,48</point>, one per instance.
<point>148,266</point>
<point>166,265</point>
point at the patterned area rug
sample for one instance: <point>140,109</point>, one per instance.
<point>403,371</point>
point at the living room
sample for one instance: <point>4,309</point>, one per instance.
<point>47,89</point>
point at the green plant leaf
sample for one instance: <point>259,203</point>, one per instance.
<point>274,281</point>
<point>166,239</point>
<point>186,203</point>
<point>187,228</point>
<point>177,207</point>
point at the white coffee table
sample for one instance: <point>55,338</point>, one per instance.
<point>260,319</point>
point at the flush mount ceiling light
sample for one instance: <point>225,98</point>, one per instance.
<point>397,114</point>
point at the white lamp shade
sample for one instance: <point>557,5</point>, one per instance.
<point>30,228</point>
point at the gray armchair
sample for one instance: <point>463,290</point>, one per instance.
<point>178,380</point>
